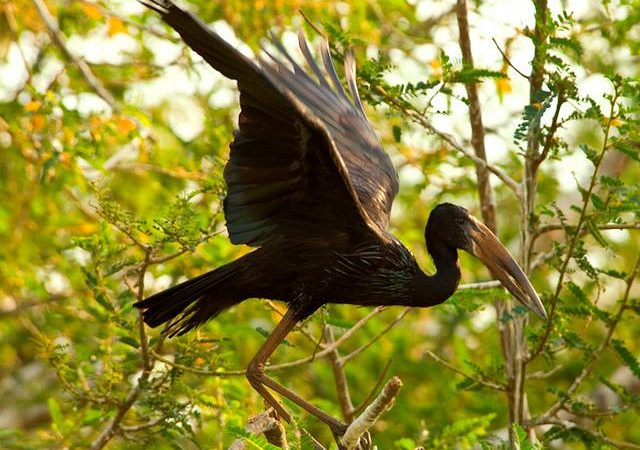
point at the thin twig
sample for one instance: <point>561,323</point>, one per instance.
<point>595,355</point>
<point>575,237</point>
<point>276,367</point>
<point>448,365</point>
<point>539,375</point>
<point>147,364</point>
<point>508,61</point>
<point>605,226</point>
<point>613,442</point>
<point>59,40</point>
<point>384,331</point>
<point>369,398</point>
<point>413,114</point>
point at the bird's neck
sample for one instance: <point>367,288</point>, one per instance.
<point>431,290</point>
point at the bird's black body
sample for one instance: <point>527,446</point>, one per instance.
<point>310,186</point>
<point>307,273</point>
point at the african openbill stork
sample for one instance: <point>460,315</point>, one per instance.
<point>311,188</point>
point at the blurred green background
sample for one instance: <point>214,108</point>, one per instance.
<point>113,138</point>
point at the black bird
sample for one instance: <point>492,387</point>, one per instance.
<point>310,186</point>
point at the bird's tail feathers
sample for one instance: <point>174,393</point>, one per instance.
<point>191,303</point>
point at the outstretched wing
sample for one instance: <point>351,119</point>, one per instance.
<point>304,154</point>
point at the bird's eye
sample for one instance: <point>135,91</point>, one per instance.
<point>459,221</point>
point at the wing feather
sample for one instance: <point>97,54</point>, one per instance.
<point>304,159</point>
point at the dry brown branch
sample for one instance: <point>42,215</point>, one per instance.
<point>268,424</point>
<point>59,40</point>
<point>371,414</point>
<point>342,387</point>
<point>485,192</point>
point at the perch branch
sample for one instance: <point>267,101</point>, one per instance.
<point>371,414</point>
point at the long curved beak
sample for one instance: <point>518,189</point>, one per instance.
<point>492,253</point>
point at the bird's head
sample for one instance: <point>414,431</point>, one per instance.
<point>455,227</point>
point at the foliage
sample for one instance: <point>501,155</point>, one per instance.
<point>114,138</point>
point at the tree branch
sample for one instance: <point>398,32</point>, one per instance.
<point>410,112</point>
<point>448,365</point>
<point>574,239</point>
<point>487,203</point>
<point>371,414</point>
<point>276,367</point>
<point>594,356</point>
<point>58,39</point>
<point>342,387</point>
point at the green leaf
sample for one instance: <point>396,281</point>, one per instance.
<point>56,413</point>
<point>589,153</point>
<point>340,323</point>
<point>129,341</point>
<point>252,441</point>
<point>625,354</point>
<point>593,229</point>
<point>397,133</point>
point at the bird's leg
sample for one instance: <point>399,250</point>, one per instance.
<point>257,378</point>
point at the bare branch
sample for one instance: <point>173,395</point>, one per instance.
<point>508,61</point>
<point>342,387</point>
<point>605,226</point>
<point>481,285</point>
<point>487,202</point>
<point>384,331</point>
<point>276,367</point>
<point>371,414</point>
